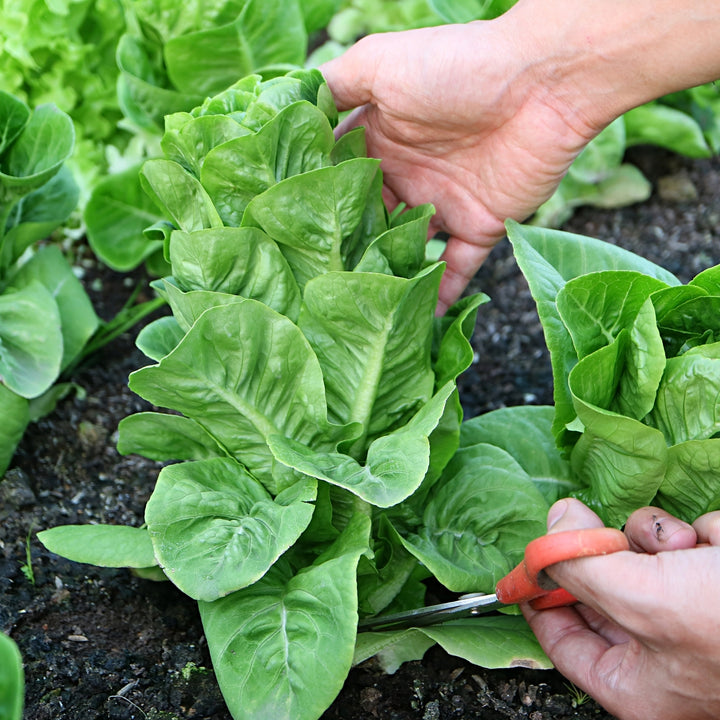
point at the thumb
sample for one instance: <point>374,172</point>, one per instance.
<point>571,514</point>
<point>350,76</point>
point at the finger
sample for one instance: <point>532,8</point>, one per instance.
<point>573,646</point>
<point>652,530</point>
<point>350,76</point>
<point>571,514</point>
<point>463,260</point>
<point>707,528</point>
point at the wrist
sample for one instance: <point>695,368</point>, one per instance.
<point>596,59</point>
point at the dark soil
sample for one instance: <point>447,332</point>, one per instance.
<point>104,644</point>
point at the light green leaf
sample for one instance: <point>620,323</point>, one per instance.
<point>619,460</point>
<point>392,648</point>
<point>163,437</point>
<point>160,337</point>
<point>12,680</point>
<point>103,545</point>
<point>187,307</point>
<point>44,144</point>
<point>687,406</point>
<point>298,139</point>
<point>31,344</point>
<point>215,529</point>
<point>14,114</point>
<point>478,519</point>
<point>313,216</point>
<point>236,261</point>
<point>256,378</point>
<point>400,250</point>
<point>187,139</point>
<point>78,320</point>
<point>690,487</point>
<point>595,307</point>
<point>38,214</point>
<point>182,198</point>
<point>282,648</point>
<point>371,334</point>
<point>225,57</point>
<point>395,466</point>
<point>452,351</point>
<point>116,215</point>
<point>493,642</point>
<point>601,155</point>
<point>658,124</point>
<point>548,259</point>
<point>525,433</point>
<point>275,31</point>
<point>142,99</point>
<point>14,418</point>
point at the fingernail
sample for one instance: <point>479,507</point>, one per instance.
<point>556,512</point>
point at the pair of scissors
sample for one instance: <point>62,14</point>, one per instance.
<point>528,582</point>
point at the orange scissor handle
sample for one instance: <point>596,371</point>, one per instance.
<point>528,582</point>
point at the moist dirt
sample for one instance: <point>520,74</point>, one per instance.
<point>101,643</point>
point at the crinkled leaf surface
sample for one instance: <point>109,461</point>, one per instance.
<point>102,545</point>
<point>478,519</point>
<point>525,433</point>
<point>395,466</point>
<point>245,373</point>
<point>620,461</point>
<point>548,259</point>
<point>215,528</point>
<point>372,334</point>
<point>313,232</point>
<point>595,307</point>
<point>282,648</point>
<point>690,487</point>
<point>298,139</point>
<point>187,307</point>
<point>179,194</point>
<point>237,261</point>
<point>187,139</point>
<point>687,406</point>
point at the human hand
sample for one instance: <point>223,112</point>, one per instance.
<point>460,119</point>
<point>644,640</point>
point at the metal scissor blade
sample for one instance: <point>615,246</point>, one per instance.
<point>465,606</point>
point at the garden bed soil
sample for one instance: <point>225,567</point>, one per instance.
<point>101,643</point>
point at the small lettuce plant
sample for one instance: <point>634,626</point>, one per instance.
<point>46,317</point>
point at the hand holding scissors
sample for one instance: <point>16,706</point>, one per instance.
<point>528,582</point>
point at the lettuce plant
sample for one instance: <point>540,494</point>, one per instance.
<point>312,473</point>
<point>45,315</point>
<point>636,367</point>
